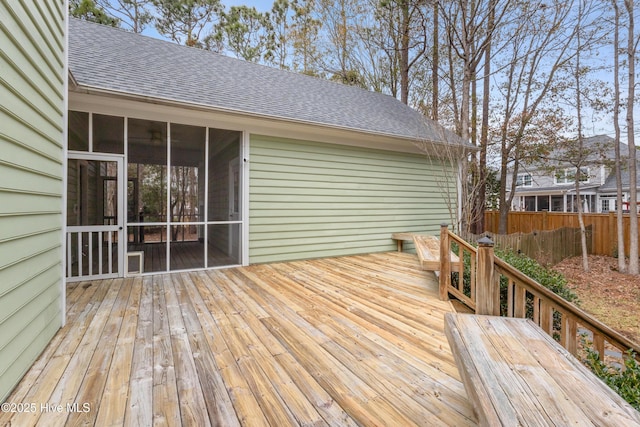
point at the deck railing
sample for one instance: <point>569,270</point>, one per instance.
<point>490,286</point>
<point>92,252</point>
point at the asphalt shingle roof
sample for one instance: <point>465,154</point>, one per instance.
<point>610,183</point>
<point>112,59</point>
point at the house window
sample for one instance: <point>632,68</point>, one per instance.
<point>557,203</point>
<point>524,180</point>
<point>542,203</point>
<point>608,204</point>
<point>568,176</point>
<point>530,203</point>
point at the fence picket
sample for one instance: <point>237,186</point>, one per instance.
<point>548,247</point>
<point>604,229</point>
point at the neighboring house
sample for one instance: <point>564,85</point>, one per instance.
<point>607,192</point>
<point>177,158</point>
<point>542,189</point>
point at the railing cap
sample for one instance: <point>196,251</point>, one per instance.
<point>485,241</point>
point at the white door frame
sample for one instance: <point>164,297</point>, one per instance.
<point>235,198</point>
<point>75,231</point>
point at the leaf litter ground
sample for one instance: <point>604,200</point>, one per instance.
<point>608,295</point>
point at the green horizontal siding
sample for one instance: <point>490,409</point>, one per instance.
<point>311,200</point>
<point>31,181</point>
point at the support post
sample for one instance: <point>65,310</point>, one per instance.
<point>487,290</point>
<point>445,263</point>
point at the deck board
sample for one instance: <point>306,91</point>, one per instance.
<point>342,342</point>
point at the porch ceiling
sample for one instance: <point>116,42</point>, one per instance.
<point>345,341</point>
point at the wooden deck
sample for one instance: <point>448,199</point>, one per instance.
<point>345,341</point>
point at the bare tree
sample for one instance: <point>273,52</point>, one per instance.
<point>632,44</point>
<point>479,205</point>
<point>540,49</point>
<point>450,157</point>
<point>409,37</point>
<point>570,161</point>
<point>581,152</point>
<point>622,264</point>
<point>472,28</point>
<point>394,36</point>
<point>435,77</point>
<point>338,23</point>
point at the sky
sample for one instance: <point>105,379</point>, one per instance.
<point>260,5</point>
<point>593,125</point>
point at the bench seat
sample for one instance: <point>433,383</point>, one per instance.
<point>427,249</point>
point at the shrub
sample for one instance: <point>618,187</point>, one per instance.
<point>624,381</point>
<point>547,277</point>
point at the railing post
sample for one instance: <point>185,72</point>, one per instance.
<point>445,263</point>
<point>487,292</point>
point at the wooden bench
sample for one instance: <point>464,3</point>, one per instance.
<point>400,238</point>
<point>427,249</point>
<point>517,375</point>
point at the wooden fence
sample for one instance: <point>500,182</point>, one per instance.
<point>604,227</point>
<point>548,247</point>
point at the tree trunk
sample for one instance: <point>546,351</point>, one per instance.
<point>404,54</point>
<point>633,185</point>
<point>476,184</point>
<point>484,131</point>
<point>583,236</point>
<point>622,263</point>
<point>435,64</point>
<point>504,204</point>
<point>583,230</point>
